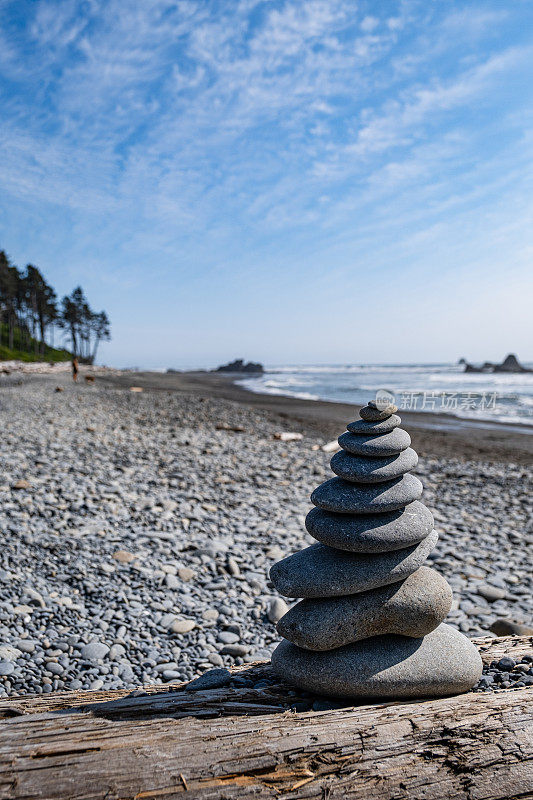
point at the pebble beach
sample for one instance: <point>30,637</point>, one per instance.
<point>139,528</point>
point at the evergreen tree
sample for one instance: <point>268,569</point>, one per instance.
<point>29,313</point>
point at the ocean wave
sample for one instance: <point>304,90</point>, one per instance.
<point>337,383</point>
<point>347,368</point>
<point>256,385</point>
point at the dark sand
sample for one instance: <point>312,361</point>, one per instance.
<point>432,434</point>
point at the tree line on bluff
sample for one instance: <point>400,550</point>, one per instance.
<point>30,314</point>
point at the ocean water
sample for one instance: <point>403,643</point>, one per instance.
<point>431,388</point>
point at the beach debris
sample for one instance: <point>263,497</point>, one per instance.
<point>136,389</point>
<point>331,447</point>
<point>370,623</point>
<point>22,484</point>
<point>287,436</point>
<point>90,379</point>
<point>225,426</point>
<point>33,596</point>
<point>59,389</point>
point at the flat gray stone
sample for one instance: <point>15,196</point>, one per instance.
<point>412,607</point>
<point>380,426</point>
<point>343,497</point>
<point>373,470</point>
<point>321,571</point>
<point>371,533</point>
<point>442,663</point>
<point>386,444</point>
<point>491,593</point>
<point>373,414</point>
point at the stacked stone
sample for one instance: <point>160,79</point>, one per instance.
<point>370,623</point>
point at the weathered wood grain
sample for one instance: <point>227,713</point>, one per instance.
<point>109,745</point>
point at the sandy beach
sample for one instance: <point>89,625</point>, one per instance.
<point>139,527</point>
<point>432,434</point>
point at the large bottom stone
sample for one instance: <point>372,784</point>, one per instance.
<point>442,663</point>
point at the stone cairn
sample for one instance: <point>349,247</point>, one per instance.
<point>370,623</point>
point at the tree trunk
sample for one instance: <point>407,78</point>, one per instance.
<point>243,742</point>
<point>11,328</point>
<point>74,342</point>
<point>42,328</point>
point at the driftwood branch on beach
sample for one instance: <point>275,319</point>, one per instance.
<point>242,742</point>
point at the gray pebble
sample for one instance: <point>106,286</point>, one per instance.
<point>370,413</point>
<point>94,650</point>
<point>277,608</point>
<point>212,679</point>
<point>491,593</point>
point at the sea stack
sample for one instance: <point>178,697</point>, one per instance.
<point>370,621</point>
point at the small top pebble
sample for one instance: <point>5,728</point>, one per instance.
<point>372,414</point>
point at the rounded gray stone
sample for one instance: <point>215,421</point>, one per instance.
<point>373,414</point>
<point>94,650</point>
<point>386,444</point>
<point>344,497</point>
<point>412,607</point>
<point>321,571</point>
<point>277,609</point>
<point>442,663</point>
<point>371,533</point>
<point>373,470</point>
<point>376,428</point>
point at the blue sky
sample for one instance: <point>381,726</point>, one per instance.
<point>300,181</point>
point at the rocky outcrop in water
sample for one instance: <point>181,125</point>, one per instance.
<point>509,364</point>
<point>240,366</point>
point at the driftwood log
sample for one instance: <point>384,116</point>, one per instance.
<point>242,742</point>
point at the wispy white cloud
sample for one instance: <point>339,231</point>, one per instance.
<point>216,129</point>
